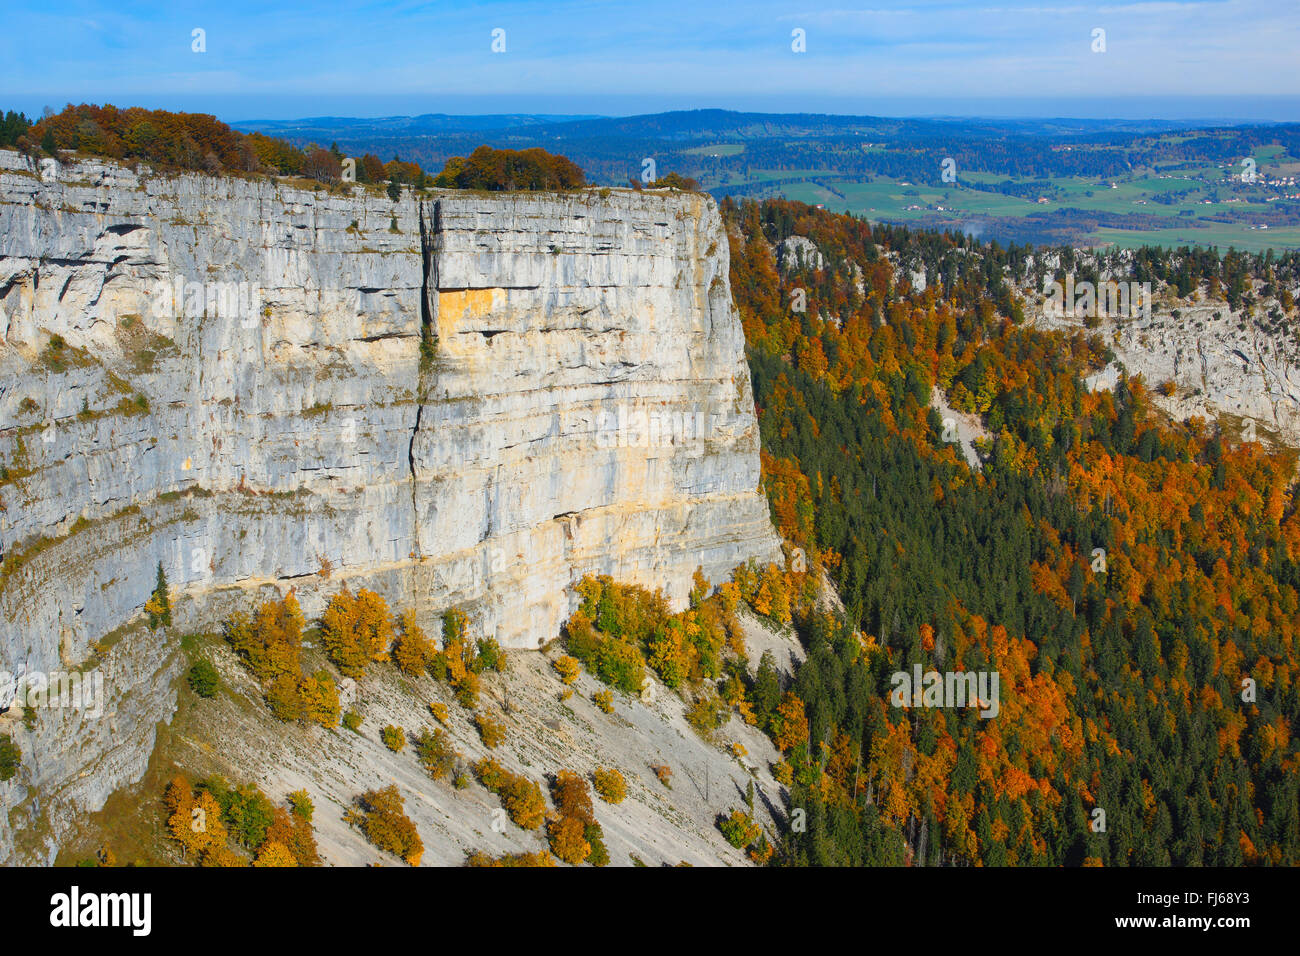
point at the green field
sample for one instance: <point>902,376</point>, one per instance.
<point>1216,234</point>
<point>720,149</point>
<point>1181,197</point>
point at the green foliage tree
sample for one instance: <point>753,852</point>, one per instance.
<point>203,678</point>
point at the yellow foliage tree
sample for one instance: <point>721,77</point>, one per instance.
<point>792,723</point>
<point>567,840</point>
<point>274,854</point>
<point>413,649</point>
<point>610,785</point>
<point>356,630</point>
<point>568,668</point>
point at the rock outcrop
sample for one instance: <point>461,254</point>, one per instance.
<point>1225,366</point>
<point>458,400</point>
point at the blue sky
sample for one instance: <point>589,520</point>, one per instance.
<point>1215,59</point>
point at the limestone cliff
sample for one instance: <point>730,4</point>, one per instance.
<point>457,400</point>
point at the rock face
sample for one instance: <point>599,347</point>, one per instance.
<point>458,400</point>
<point>799,251</point>
<point>1226,366</point>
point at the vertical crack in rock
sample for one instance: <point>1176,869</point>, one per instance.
<point>428,290</point>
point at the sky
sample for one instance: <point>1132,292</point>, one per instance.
<point>1211,59</point>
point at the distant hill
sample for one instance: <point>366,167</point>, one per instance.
<point>427,123</point>
<point>1050,180</point>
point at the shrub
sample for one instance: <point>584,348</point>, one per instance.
<point>245,810</point>
<point>352,720</point>
<point>270,643</point>
<point>455,663</point>
<point>619,663</point>
<point>274,855</point>
<point>490,773</point>
<point>707,713</point>
<point>11,757</point>
<point>440,712</point>
<point>467,689</point>
<point>195,821</point>
<point>594,835</point>
<point>301,805</point>
<point>739,829</point>
<point>490,730</point>
<point>524,803</point>
<point>610,785</point>
<point>283,698</point>
<point>540,858</point>
<point>221,856</point>
<point>270,646</point>
<point>676,181</point>
<point>664,773</point>
<point>380,815</point>
<point>320,699</point>
<point>612,660</point>
<point>489,657</point>
<point>522,798</point>
<point>204,679</point>
<point>568,668</point>
<point>293,832</point>
<point>567,839</point>
<point>572,798</point>
<point>394,738</point>
<point>574,834</point>
<point>413,650</point>
<point>604,700</point>
<point>435,753</point>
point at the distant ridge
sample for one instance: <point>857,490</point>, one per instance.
<point>424,123</point>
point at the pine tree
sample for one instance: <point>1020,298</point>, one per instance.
<point>159,605</point>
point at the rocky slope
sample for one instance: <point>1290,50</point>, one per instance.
<point>235,735</point>
<point>459,400</point>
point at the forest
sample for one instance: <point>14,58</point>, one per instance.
<point>1132,579</point>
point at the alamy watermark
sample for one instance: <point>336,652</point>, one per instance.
<point>638,427</point>
<point>36,690</point>
<point>950,689</point>
<point>241,301</point>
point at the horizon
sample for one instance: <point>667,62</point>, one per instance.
<point>1285,114</point>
